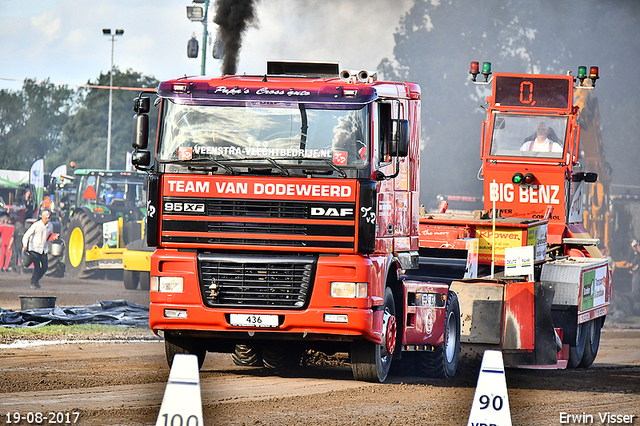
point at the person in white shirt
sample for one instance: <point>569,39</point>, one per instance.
<point>34,241</point>
<point>541,143</point>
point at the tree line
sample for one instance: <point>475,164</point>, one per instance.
<point>62,124</point>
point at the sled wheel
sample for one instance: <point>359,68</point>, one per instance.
<point>576,351</point>
<point>592,329</point>
<point>442,363</point>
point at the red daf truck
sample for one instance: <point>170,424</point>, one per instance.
<point>284,209</point>
<point>542,287</point>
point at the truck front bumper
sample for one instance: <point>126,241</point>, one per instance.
<point>339,324</point>
<point>322,317</point>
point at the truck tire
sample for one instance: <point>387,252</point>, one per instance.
<point>176,345</point>
<point>82,235</point>
<point>144,278</point>
<point>442,363</point>
<point>576,351</point>
<point>247,356</point>
<point>592,329</point>
<point>278,356</point>
<point>130,279</point>
<point>405,366</point>
<point>370,361</point>
<point>56,266</point>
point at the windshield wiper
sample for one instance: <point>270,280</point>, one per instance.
<point>283,171</point>
<point>329,163</point>
<point>317,172</point>
<point>229,170</point>
<point>278,166</point>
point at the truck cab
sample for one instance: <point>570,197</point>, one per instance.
<point>284,212</point>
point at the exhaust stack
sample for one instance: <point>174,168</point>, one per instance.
<point>362,76</point>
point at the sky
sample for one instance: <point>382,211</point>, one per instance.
<point>62,40</point>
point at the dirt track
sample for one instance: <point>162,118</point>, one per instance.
<point>122,381</point>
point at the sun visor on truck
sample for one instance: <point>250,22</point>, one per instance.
<point>231,93</point>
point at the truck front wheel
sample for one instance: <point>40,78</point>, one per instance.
<point>370,361</point>
<point>176,345</point>
<point>442,363</point>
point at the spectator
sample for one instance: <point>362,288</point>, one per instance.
<point>635,269</point>
<point>34,241</point>
<point>28,203</point>
<point>17,246</point>
<point>6,241</point>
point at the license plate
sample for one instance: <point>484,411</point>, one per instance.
<point>249,320</point>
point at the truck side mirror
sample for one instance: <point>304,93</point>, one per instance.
<point>584,176</point>
<point>141,159</point>
<point>591,177</point>
<point>140,131</point>
<point>141,105</point>
<point>399,146</point>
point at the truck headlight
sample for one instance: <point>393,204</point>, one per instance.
<point>169,284</point>
<point>345,289</point>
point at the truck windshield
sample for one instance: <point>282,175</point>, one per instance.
<point>518,135</point>
<point>288,132</point>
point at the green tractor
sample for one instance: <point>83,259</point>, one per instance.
<point>105,214</point>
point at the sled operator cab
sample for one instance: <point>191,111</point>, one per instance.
<point>530,151</point>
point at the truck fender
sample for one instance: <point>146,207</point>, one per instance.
<point>425,312</point>
<point>391,280</point>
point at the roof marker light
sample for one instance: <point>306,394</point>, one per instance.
<point>594,75</point>
<point>474,70</point>
<point>180,88</point>
<point>350,93</point>
<point>582,73</point>
<point>486,70</point>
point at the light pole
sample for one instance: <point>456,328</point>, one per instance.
<point>107,32</point>
<point>196,13</point>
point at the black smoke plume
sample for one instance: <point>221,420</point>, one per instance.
<point>233,17</point>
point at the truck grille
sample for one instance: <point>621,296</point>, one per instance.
<point>295,225</point>
<point>257,208</point>
<point>243,281</point>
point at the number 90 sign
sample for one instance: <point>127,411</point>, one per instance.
<point>487,402</point>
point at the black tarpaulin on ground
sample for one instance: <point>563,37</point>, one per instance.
<point>109,312</point>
